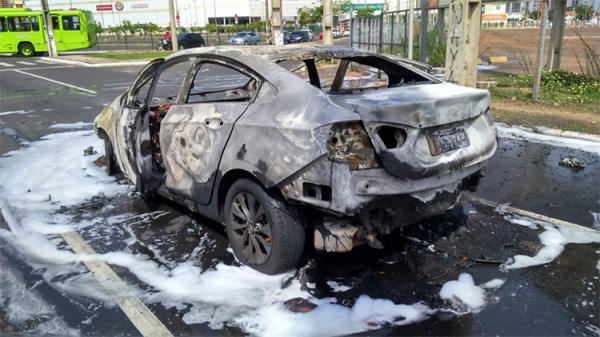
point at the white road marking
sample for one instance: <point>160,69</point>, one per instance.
<point>16,112</point>
<point>137,312</point>
<point>57,82</point>
<point>533,215</point>
<point>44,62</point>
<point>37,68</point>
<point>4,64</point>
<point>26,63</point>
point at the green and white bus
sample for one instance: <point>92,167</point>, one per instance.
<point>22,30</point>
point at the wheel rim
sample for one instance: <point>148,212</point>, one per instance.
<point>27,51</point>
<point>250,228</point>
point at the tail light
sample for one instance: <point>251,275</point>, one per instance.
<point>350,143</point>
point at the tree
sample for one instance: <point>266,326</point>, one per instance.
<point>99,28</point>
<point>584,12</point>
<point>364,12</point>
<point>128,27</point>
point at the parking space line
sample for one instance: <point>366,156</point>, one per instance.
<point>137,312</point>
<point>57,82</point>
<point>26,63</point>
<point>533,215</point>
<point>4,64</point>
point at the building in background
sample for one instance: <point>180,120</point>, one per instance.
<point>190,12</point>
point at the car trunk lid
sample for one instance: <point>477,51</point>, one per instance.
<point>422,111</point>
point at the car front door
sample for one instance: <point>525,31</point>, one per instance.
<point>133,112</point>
<point>194,134</point>
<point>143,120</point>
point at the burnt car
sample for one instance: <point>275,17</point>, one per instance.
<point>285,146</point>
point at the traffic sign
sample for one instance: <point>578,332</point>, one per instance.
<point>108,7</point>
<point>119,6</point>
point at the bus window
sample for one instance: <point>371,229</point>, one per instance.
<point>70,22</point>
<point>55,23</point>
<point>19,24</point>
<point>35,24</point>
<point>3,27</point>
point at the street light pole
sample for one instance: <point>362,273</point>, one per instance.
<point>173,24</point>
<point>52,52</point>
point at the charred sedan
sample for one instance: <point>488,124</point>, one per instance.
<point>284,145</point>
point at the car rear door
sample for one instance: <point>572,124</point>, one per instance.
<point>194,134</point>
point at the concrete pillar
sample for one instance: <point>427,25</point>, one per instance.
<point>558,31</point>
<point>327,22</point>
<point>276,22</point>
<point>464,18</point>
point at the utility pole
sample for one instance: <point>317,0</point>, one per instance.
<point>540,56</point>
<point>276,22</point>
<point>557,33</point>
<point>411,21</point>
<point>216,24</point>
<point>52,51</point>
<point>328,22</point>
<point>267,31</point>
<point>173,24</point>
<point>423,35</point>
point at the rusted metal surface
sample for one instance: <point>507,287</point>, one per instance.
<point>344,152</point>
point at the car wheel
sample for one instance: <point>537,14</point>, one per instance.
<point>111,162</point>
<point>26,49</point>
<point>264,232</point>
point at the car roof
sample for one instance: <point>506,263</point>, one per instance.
<point>260,57</point>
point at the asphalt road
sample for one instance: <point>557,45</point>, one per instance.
<point>544,300</point>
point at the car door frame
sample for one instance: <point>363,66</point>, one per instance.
<point>128,142</point>
<point>208,187</point>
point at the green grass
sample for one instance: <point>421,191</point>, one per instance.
<point>131,56</point>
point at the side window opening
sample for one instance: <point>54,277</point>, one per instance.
<point>3,26</point>
<point>169,83</point>
<point>19,24</point>
<point>355,74</point>
<point>55,25</point>
<point>359,76</point>
<point>70,22</point>
<point>35,23</point>
<point>214,82</point>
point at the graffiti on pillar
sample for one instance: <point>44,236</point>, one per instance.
<point>456,29</point>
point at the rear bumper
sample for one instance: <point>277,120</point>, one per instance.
<point>334,188</point>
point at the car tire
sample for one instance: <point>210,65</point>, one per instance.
<point>264,232</point>
<point>111,161</point>
<point>26,49</point>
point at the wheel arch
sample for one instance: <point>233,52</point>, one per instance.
<point>231,177</point>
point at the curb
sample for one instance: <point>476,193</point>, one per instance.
<point>555,132</point>
<point>94,65</point>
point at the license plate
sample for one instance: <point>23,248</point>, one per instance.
<point>447,140</point>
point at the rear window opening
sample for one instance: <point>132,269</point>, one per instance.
<point>353,74</point>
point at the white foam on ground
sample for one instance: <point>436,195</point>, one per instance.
<point>514,132</point>
<point>464,296</point>
<point>26,308</point>
<point>38,180</point>
<point>553,238</point>
<point>338,287</point>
